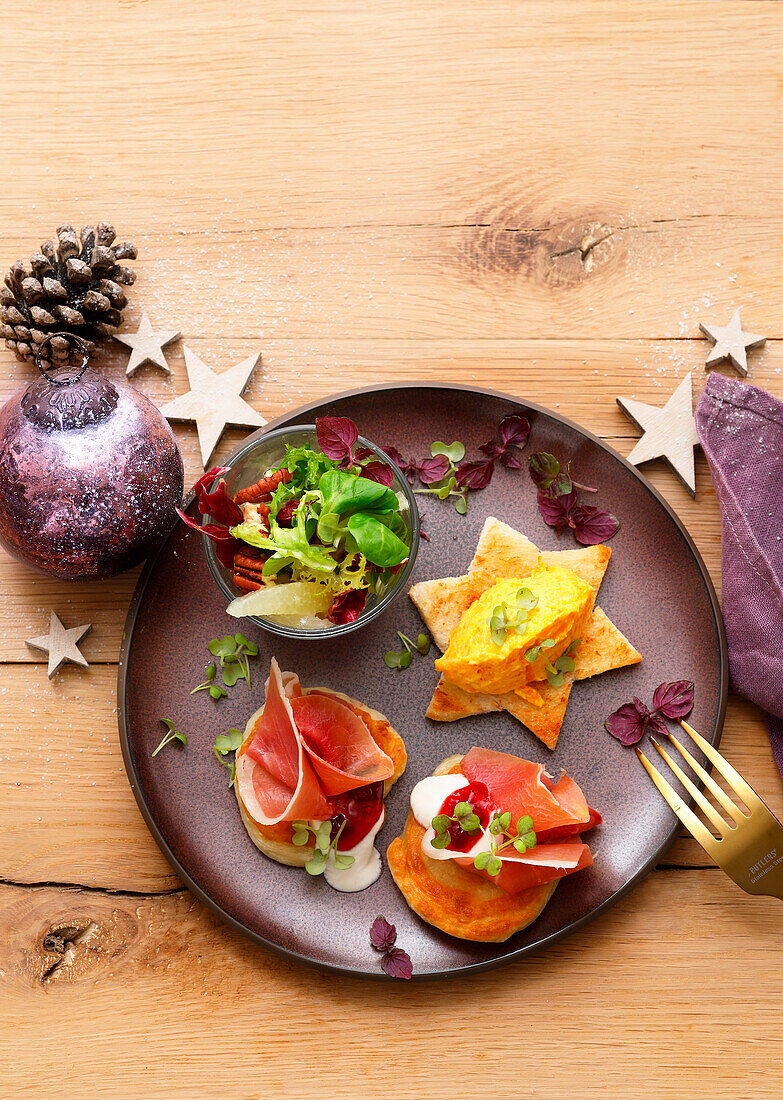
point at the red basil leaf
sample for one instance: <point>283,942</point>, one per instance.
<point>544,468</point>
<point>397,964</point>
<point>675,700</point>
<point>348,606</point>
<point>380,472</point>
<point>556,511</point>
<point>626,724</point>
<point>513,431</point>
<point>361,454</point>
<point>592,525</point>
<point>658,724</point>
<point>336,437</point>
<point>475,475</point>
<point>219,504</point>
<point>433,469</point>
<point>382,934</point>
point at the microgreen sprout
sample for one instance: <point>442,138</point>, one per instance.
<point>215,690</point>
<point>563,666</point>
<point>511,615</point>
<point>170,735</point>
<point>232,653</point>
<point>439,474</point>
<point>323,845</point>
<point>224,745</point>
<point>405,656</point>
<point>464,816</point>
<point>521,840</point>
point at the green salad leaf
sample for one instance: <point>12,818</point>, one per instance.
<point>376,541</point>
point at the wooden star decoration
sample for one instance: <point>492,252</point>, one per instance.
<point>61,644</point>
<point>215,401</point>
<point>669,432</point>
<point>731,343</point>
<point>147,345</point>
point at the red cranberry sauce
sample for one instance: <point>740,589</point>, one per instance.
<point>477,796</point>
<point>359,809</point>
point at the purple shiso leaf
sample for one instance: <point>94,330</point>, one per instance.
<point>378,471</point>
<point>675,700</point>
<point>626,724</point>
<point>475,475</point>
<point>397,964</point>
<point>432,469</point>
<point>513,431</point>
<point>337,436</point>
<point>592,525</point>
<point>556,511</point>
<point>382,934</point>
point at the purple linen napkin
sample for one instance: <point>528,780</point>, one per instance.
<point>741,432</point>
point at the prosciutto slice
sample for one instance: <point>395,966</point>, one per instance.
<point>274,777</point>
<point>338,744</point>
<point>544,863</point>
<point>523,788</point>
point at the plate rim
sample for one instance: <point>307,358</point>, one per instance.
<point>282,420</point>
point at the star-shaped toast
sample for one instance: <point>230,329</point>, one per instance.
<point>504,552</point>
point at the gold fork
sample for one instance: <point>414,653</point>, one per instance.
<point>750,850</point>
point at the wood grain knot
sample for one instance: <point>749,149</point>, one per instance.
<point>559,255</point>
<point>76,947</point>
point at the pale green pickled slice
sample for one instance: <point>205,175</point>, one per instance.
<point>297,598</point>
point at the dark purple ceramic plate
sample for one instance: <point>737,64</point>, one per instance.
<point>656,589</point>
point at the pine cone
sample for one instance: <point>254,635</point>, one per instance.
<point>74,287</point>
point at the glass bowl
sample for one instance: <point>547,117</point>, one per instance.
<point>250,464</point>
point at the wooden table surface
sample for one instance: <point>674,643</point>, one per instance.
<point>540,197</point>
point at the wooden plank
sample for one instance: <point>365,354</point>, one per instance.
<point>67,813</point>
<point>319,115</point>
<point>111,969</point>
<point>500,279</point>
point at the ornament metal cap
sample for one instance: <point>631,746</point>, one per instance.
<point>56,403</point>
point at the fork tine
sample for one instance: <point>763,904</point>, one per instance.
<point>710,783</point>
<point>732,777</point>
<point>709,811</point>
<point>685,814</point>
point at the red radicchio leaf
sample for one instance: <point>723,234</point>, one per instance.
<point>433,469</point>
<point>219,504</point>
<point>397,964</point>
<point>675,700</point>
<point>592,525</point>
<point>475,475</point>
<point>336,438</point>
<point>380,472</point>
<point>382,934</point>
<point>626,724</point>
<point>348,606</point>
<point>285,514</point>
<point>513,431</point>
<point>557,511</point>
<point>225,543</point>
